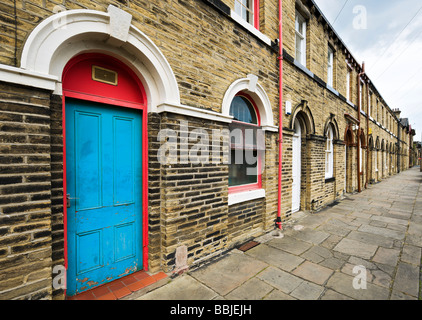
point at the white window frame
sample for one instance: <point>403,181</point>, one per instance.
<point>376,160</point>
<point>329,153</point>
<point>348,84</point>
<point>249,6</point>
<point>370,104</point>
<point>377,110</point>
<point>300,20</point>
<point>330,67</point>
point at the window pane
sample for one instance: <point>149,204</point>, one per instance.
<point>244,13</point>
<point>348,85</point>
<point>237,7</point>
<point>244,8</point>
<point>299,48</point>
<point>299,25</point>
<point>242,110</point>
<point>239,173</point>
<point>330,67</point>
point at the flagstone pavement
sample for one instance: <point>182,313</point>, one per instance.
<point>367,247</point>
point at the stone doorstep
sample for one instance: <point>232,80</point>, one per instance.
<point>136,283</point>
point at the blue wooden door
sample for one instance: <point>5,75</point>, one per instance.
<point>104,181</point>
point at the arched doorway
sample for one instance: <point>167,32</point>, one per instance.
<point>362,160</point>
<point>391,167</point>
<point>348,180</point>
<point>377,157</point>
<point>371,174</point>
<point>383,160</point>
<point>303,127</point>
<point>296,165</point>
<point>105,169</point>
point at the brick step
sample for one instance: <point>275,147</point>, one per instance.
<point>122,287</point>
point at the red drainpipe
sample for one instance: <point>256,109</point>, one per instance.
<point>280,140</point>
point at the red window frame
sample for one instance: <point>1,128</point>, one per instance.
<point>258,184</point>
<point>256,14</point>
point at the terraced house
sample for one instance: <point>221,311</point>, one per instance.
<point>156,135</point>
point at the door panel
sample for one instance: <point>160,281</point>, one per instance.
<point>88,160</point>
<point>104,181</point>
<point>124,161</point>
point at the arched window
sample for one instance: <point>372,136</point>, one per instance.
<point>246,144</point>
<point>242,110</point>
<point>329,153</point>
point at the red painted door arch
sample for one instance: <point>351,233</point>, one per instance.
<point>102,80</point>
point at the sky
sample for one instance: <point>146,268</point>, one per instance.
<point>387,36</point>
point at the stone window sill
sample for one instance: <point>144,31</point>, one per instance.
<point>250,28</point>
<point>240,197</point>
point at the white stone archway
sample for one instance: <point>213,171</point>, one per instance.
<point>251,86</point>
<point>66,34</point>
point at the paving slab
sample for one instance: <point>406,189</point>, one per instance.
<point>388,233</point>
<point>253,289</point>
<point>313,272</point>
<point>344,223</point>
<point>391,220</point>
<point>275,257</point>
<point>371,238</point>
<point>335,230</point>
<point>332,295</point>
<point>396,295</point>
<point>280,279</point>
<point>331,241</point>
<point>290,245</point>
<point>415,228</point>
<point>307,291</point>
<point>411,254</point>
<point>278,295</point>
<point>311,236</point>
<point>225,275</point>
<point>182,288</point>
<point>333,263</point>
<point>381,278</point>
<point>343,284</point>
<point>317,254</point>
<point>356,248</point>
<point>387,256</point>
<point>407,279</point>
<point>313,221</point>
<point>415,240</point>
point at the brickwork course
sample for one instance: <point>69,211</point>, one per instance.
<point>192,57</point>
